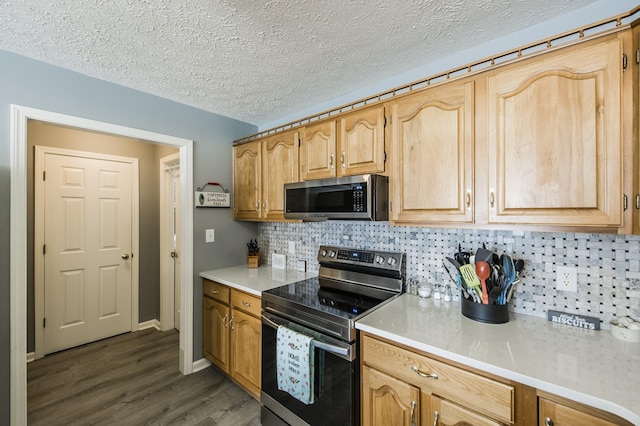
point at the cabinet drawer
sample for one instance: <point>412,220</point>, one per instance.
<point>215,290</point>
<point>246,302</point>
<point>465,388</point>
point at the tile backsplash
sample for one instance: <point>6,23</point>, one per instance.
<point>608,265</point>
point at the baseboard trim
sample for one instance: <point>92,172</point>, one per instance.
<point>31,356</point>
<point>200,364</point>
<point>154,323</point>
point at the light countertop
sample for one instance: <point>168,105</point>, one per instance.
<point>587,366</point>
<point>255,280</point>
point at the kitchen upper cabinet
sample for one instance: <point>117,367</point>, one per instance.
<point>554,139</point>
<point>279,166</point>
<point>432,167</point>
<point>352,145</point>
<point>387,401</point>
<point>260,170</point>
<point>318,151</point>
<point>247,181</point>
<point>361,142</point>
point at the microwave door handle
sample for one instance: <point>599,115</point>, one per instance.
<point>345,352</point>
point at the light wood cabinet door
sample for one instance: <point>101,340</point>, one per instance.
<point>554,139</point>
<point>446,413</point>
<point>280,166</point>
<point>361,142</point>
<point>246,349</point>
<point>432,162</point>
<point>387,401</point>
<point>247,181</point>
<point>318,151</point>
<point>551,413</point>
<point>215,332</point>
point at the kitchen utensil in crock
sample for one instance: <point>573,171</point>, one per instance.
<point>469,275</point>
<point>483,271</point>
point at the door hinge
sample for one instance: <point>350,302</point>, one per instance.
<point>624,61</point>
<point>638,201</point>
<point>299,142</point>
<point>44,249</point>
<point>44,175</point>
<point>637,56</point>
<point>384,160</point>
<point>625,202</point>
<point>44,322</point>
<point>384,123</point>
<point>390,206</point>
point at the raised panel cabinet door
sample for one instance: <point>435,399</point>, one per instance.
<point>551,413</point>
<point>387,401</point>
<point>554,139</point>
<point>446,413</point>
<point>280,166</point>
<point>432,162</point>
<point>247,181</point>
<point>361,142</point>
<point>215,333</point>
<point>318,151</point>
<point>246,338</point>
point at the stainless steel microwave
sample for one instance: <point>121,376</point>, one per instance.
<point>363,197</point>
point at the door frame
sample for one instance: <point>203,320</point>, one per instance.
<point>167,298</point>
<point>38,234</point>
<point>18,240</point>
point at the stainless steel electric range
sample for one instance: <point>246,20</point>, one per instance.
<point>350,284</point>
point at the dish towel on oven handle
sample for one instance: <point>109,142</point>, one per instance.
<point>295,364</point>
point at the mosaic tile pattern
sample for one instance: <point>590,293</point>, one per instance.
<point>608,265</point>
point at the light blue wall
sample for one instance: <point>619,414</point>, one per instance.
<point>34,84</point>
<point>594,12</point>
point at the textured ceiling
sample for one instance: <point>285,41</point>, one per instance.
<point>254,60</point>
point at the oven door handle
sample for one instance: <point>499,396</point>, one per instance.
<point>345,352</point>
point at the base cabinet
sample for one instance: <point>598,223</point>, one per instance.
<point>232,333</point>
<point>557,412</point>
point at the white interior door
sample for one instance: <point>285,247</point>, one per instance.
<point>88,241</point>
<point>177,259</point>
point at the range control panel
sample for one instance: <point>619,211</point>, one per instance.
<point>372,258</point>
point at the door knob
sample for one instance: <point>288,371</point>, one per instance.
<point>125,256</point>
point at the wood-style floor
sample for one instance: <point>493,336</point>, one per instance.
<point>132,379</point>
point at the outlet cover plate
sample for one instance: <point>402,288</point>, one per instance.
<point>301,266</point>
<point>567,278</point>
<point>210,235</point>
<point>278,261</point>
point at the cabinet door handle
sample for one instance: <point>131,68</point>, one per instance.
<point>342,160</point>
<point>492,200</point>
<point>331,161</point>
<point>433,376</point>
<point>436,416</point>
<point>224,321</point>
<point>548,421</point>
<point>468,200</point>
<point>264,206</point>
<point>413,413</point>
<point>231,322</point>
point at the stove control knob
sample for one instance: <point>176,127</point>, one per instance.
<point>392,261</point>
<point>332,253</point>
<point>379,260</point>
<point>323,253</point>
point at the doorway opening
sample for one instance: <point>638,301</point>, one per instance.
<point>170,250</point>
<point>18,239</point>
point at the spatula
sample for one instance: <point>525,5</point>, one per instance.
<point>469,275</point>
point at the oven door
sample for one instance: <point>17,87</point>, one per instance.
<point>336,379</point>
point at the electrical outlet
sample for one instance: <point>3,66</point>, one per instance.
<point>567,278</point>
<point>210,236</point>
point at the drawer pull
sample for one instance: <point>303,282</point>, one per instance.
<point>215,292</point>
<point>247,304</point>
<point>433,376</point>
